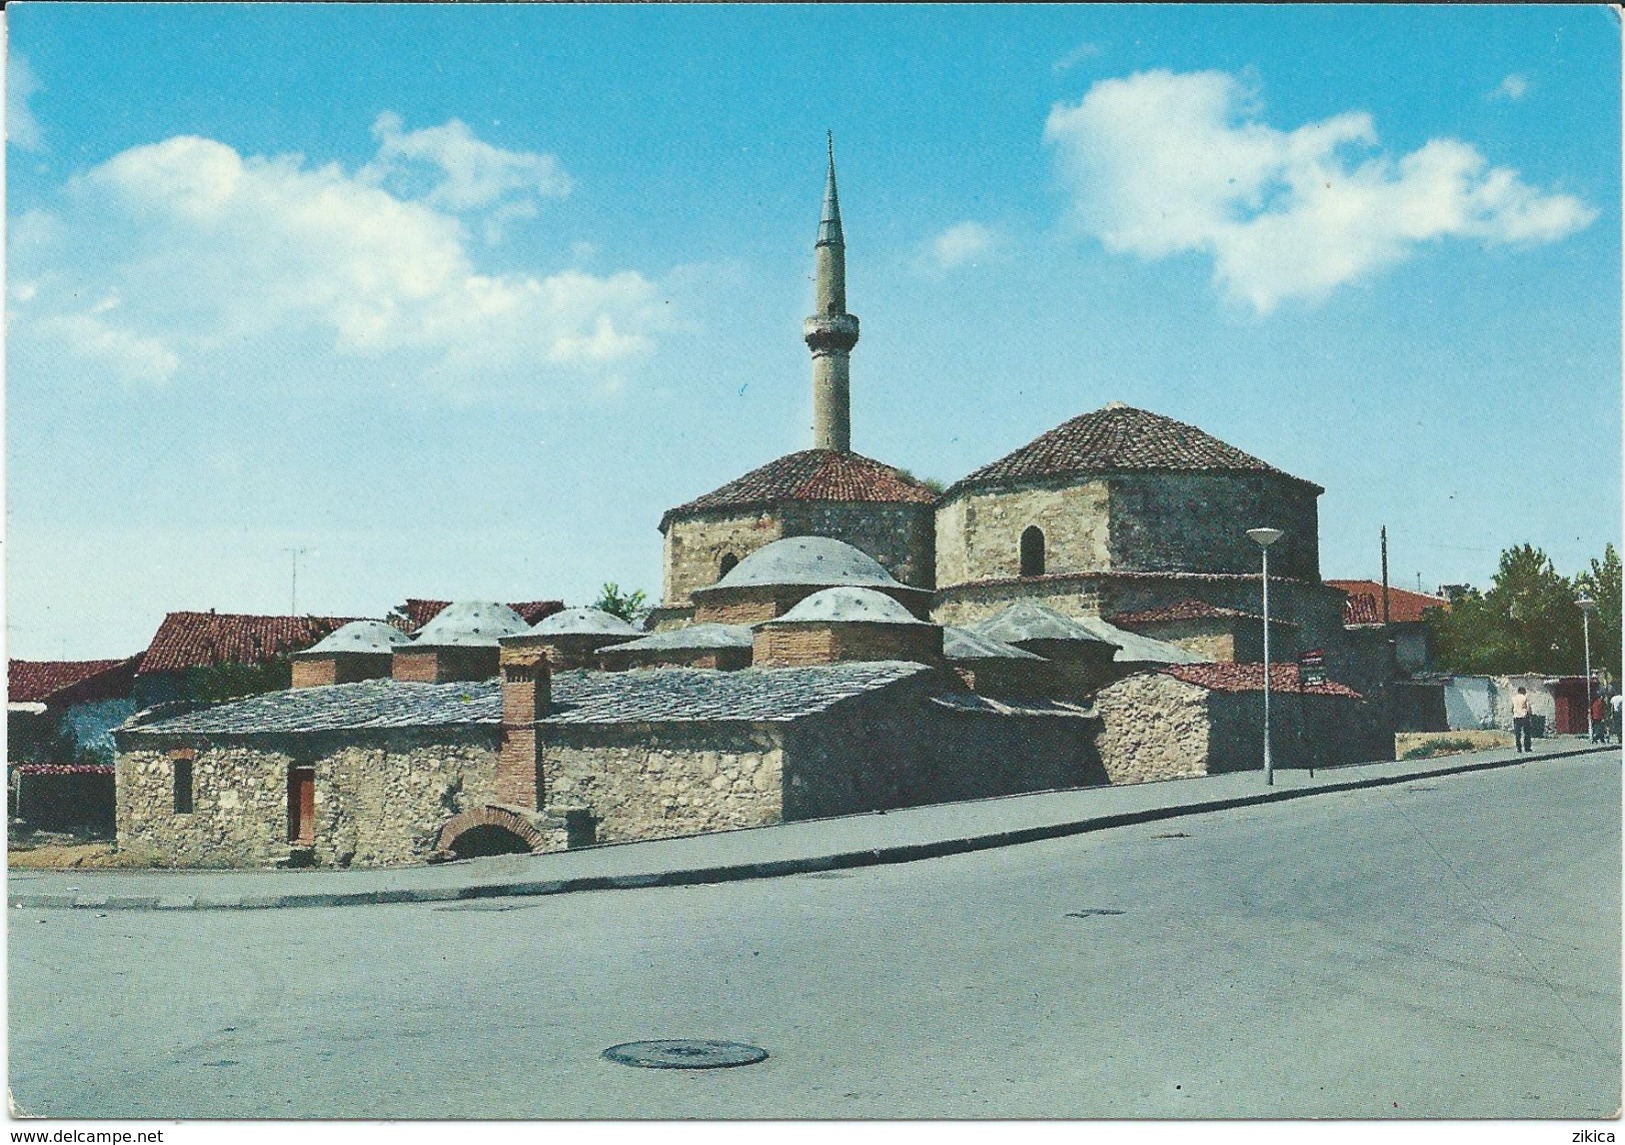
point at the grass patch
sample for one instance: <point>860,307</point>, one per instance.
<point>1426,745</point>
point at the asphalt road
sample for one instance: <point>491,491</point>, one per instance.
<point>1445,948</point>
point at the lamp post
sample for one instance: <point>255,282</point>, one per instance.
<point>1264,538</point>
<point>1587,607</point>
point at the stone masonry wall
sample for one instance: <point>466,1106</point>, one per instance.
<point>1154,727</point>
<point>1198,522</point>
<point>695,546</point>
<point>902,537</point>
<point>379,799</point>
<point>650,781</point>
<point>979,534</point>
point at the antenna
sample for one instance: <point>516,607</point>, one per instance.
<point>293,592</point>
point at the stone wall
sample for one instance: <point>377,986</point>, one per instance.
<point>1153,727</point>
<point>1198,522</point>
<point>694,548</point>
<point>896,748</point>
<point>979,534</point>
<point>1306,731</point>
<point>381,796</point>
<point>651,781</point>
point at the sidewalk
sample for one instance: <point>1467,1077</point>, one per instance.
<point>789,848</point>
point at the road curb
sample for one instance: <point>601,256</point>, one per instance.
<point>772,868</point>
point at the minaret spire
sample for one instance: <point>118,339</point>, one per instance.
<point>831,332</point>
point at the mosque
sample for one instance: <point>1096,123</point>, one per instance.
<point>833,637</point>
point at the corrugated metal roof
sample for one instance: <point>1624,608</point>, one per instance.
<point>470,624</point>
<point>848,605</point>
<point>585,622</point>
<point>682,695</point>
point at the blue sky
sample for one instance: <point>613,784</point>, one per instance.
<point>460,299</point>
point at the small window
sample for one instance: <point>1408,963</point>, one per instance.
<point>1032,551</point>
<point>183,787</point>
<point>727,566</point>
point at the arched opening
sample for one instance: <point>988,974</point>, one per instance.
<point>727,566</point>
<point>1032,551</point>
<point>488,839</point>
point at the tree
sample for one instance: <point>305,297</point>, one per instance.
<point>1526,622</point>
<point>1601,583</point>
<point>631,607</point>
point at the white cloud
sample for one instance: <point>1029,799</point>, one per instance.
<point>471,173</point>
<point>1513,87</point>
<point>22,129</point>
<point>1160,164</point>
<point>960,244</point>
<point>1084,51</point>
<point>206,251</point>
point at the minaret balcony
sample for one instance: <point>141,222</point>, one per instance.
<point>824,332</point>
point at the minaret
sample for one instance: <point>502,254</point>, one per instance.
<point>831,332</point>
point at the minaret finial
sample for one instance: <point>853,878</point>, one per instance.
<point>831,332</point>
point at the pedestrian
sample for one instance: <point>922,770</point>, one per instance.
<point>1599,720</point>
<point>1520,721</point>
<point>1613,717</point>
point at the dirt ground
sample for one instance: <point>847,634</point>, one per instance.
<point>1449,743</point>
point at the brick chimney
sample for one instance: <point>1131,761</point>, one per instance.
<point>527,694</point>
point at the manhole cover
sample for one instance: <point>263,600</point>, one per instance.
<point>685,1053</point>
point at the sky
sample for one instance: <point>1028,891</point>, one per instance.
<point>454,302</point>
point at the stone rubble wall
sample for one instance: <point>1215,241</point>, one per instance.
<point>651,781</point>
<point>1154,727</point>
<point>1198,522</point>
<point>381,798</point>
<point>694,548</point>
<point>979,534</point>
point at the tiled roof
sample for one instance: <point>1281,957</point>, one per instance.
<point>1184,610</point>
<point>812,475</point>
<point>69,681</point>
<point>1404,606</point>
<point>1228,677</point>
<point>1115,439</point>
<point>204,639</point>
<point>663,695</point>
<point>417,612</point>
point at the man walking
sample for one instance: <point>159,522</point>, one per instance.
<point>1520,721</point>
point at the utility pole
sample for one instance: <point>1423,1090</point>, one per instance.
<point>1385,576</point>
<point>293,593</point>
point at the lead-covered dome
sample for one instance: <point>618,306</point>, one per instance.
<point>694,637</point>
<point>585,622</point>
<point>359,636</point>
<point>847,605</point>
<point>471,623</point>
<point>808,560</point>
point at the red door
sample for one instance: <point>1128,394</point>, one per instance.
<point>302,805</point>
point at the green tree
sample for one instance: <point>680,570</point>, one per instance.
<point>1601,583</point>
<point>1526,622</point>
<point>229,681</point>
<point>631,607</point>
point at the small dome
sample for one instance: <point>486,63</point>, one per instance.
<point>807,560</point>
<point>584,622</point>
<point>1026,620</point>
<point>848,605</point>
<point>360,636</point>
<point>475,623</point>
<point>685,639</point>
<point>963,644</point>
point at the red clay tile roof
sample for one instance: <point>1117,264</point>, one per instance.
<point>69,681</point>
<point>1185,610</point>
<point>1119,438</point>
<point>812,475</point>
<point>1404,606</point>
<point>1228,677</point>
<point>204,639</point>
<point>417,613</point>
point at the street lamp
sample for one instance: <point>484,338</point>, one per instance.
<point>1587,607</point>
<point>1264,538</point>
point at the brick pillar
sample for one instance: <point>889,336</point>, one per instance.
<point>527,687</point>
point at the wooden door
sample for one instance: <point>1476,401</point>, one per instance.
<point>302,805</point>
